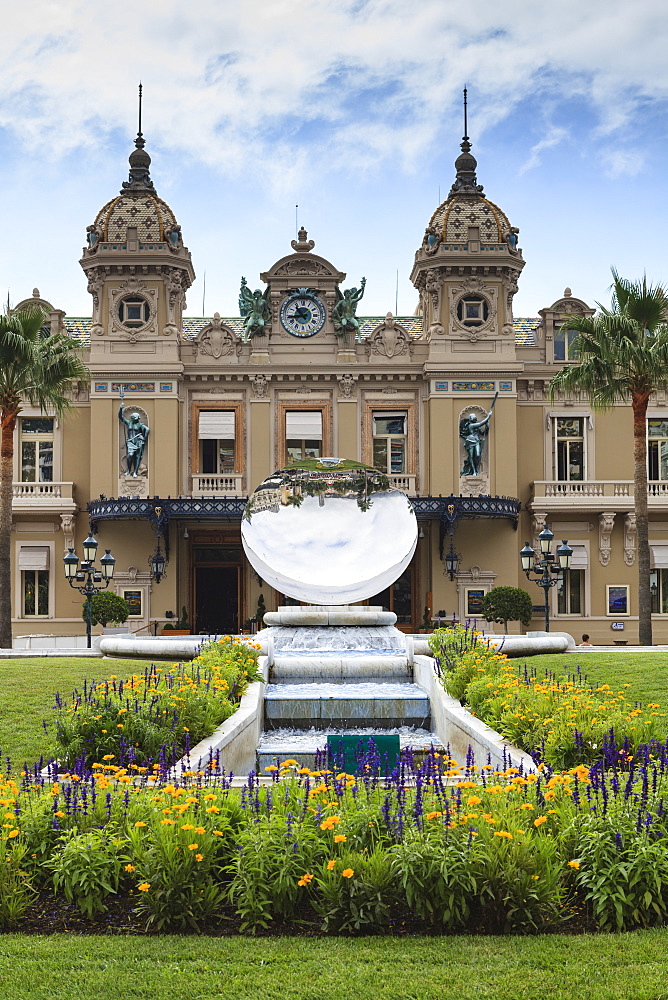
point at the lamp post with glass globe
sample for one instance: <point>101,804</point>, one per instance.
<point>83,578</point>
<point>548,570</point>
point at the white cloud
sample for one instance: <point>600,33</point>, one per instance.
<point>253,85</point>
<point>554,136</point>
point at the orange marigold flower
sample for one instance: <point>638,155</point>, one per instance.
<point>573,864</point>
<point>144,887</point>
<point>539,820</point>
<point>473,800</point>
<point>199,857</point>
<point>434,815</point>
<point>348,872</point>
<point>13,833</point>
<point>140,822</point>
<point>340,838</point>
<point>305,879</point>
<point>193,847</point>
<point>503,833</point>
<point>129,868</point>
<point>200,830</point>
<point>330,865</point>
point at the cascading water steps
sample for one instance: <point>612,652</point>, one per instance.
<point>339,671</point>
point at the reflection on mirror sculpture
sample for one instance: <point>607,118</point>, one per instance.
<point>329,531</point>
<point>474,432</point>
<point>136,435</point>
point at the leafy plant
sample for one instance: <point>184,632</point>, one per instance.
<point>107,607</point>
<point>507,604</point>
<point>87,868</point>
<point>16,888</point>
<point>439,880</point>
<point>356,894</point>
<point>261,609</point>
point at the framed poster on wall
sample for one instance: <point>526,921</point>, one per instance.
<point>134,602</point>
<point>617,599</point>
<point>474,597</point>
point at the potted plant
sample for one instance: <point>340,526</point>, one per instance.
<point>110,611</point>
<point>180,627</point>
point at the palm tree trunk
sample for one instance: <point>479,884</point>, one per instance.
<point>8,422</point>
<point>639,402</point>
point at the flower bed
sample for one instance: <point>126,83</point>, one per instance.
<point>155,716</point>
<point>561,722</point>
<point>439,848</point>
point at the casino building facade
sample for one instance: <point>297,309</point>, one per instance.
<point>224,410</point>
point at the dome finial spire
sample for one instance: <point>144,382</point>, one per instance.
<point>140,178</point>
<point>466,181</point>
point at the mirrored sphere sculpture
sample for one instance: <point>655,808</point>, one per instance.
<point>329,532</point>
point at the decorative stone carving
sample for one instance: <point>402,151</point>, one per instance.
<point>218,341</point>
<point>630,539</point>
<point>176,284</point>
<point>435,331</point>
<point>303,390</point>
<point>67,526</point>
<point>260,386</point>
<point>389,340</point>
<point>473,285</point>
<point>303,244</point>
<point>133,486</point>
<point>347,384</point>
<point>299,267</point>
<point>129,413</point>
<point>433,285</point>
<point>473,486</point>
<point>539,522</point>
<point>606,522</point>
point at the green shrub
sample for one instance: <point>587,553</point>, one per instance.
<point>16,889</point>
<point>87,868</point>
<point>507,604</point>
<point>107,607</point>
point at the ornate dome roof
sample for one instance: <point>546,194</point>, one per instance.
<point>151,215</point>
<point>452,219</point>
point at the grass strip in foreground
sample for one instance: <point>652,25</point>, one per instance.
<point>602,967</point>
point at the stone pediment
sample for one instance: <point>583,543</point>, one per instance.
<point>303,265</point>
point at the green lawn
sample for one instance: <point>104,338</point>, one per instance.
<point>605,967</point>
<point>27,689</point>
<point>645,673</point>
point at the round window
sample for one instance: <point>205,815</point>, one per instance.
<point>133,311</point>
<point>472,310</point>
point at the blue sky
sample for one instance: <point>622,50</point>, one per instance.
<point>353,111</point>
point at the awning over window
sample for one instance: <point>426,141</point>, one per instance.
<point>580,557</point>
<point>216,425</point>
<point>303,425</point>
<point>658,556</point>
<point>33,557</point>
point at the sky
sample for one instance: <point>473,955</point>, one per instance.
<point>350,110</point>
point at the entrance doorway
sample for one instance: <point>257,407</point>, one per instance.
<point>217,583</point>
<point>217,599</point>
<point>399,598</point>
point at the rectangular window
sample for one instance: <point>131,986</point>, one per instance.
<point>389,442</point>
<point>35,592</point>
<point>303,435</point>
<point>563,345</point>
<point>569,449</point>
<point>657,449</point>
<point>217,433</point>
<point>36,449</point>
<point>570,593</point>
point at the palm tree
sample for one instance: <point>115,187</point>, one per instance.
<point>623,354</point>
<point>38,369</point>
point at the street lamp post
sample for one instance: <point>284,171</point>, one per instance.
<point>549,570</point>
<point>83,578</point>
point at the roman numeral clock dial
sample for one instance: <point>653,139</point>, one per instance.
<point>303,313</point>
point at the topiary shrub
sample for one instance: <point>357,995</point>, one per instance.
<point>107,607</point>
<point>507,604</point>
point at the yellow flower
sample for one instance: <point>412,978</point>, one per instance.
<point>144,887</point>
<point>108,756</point>
<point>129,868</point>
<point>573,864</point>
<point>503,833</point>
<point>199,857</point>
<point>340,838</point>
<point>348,872</point>
<point>213,809</point>
<point>187,826</point>
<point>200,830</point>
<point>473,800</point>
<point>305,879</point>
<point>217,833</point>
<point>193,847</point>
<point>330,865</point>
<point>140,823</point>
<point>527,805</point>
<point>13,833</point>
<point>539,820</point>
<point>434,815</point>
<point>167,822</point>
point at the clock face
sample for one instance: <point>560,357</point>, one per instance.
<point>303,315</point>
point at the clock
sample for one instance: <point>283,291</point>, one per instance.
<point>303,313</point>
